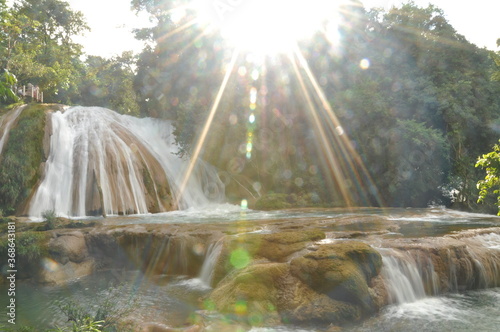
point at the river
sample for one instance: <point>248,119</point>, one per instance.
<point>171,300</point>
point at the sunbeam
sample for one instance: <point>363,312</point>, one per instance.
<point>180,29</point>
<point>208,124</point>
<point>335,126</point>
<point>332,158</point>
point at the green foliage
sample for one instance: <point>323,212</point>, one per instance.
<point>86,325</point>
<point>105,312</point>
<point>418,116</point>
<point>496,58</point>
<point>21,158</point>
<point>490,163</point>
<point>50,218</point>
<point>272,202</point>
<point>30,246</point>
<point>7,81</point>
<point>109,83</point>
<point>38,45</point>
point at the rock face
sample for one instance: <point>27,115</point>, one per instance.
<point>342,271</point>
<point>275,247</point>
<point>328,285</point>
<point>68,258</point>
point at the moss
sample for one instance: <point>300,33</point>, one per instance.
<point>30,245</point>
<point>21,158</point>
<point>272,202</point>
<point>251,294</point>
<point>341,270</point>
<point>276,247</point>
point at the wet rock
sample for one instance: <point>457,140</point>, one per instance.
<point>251,294</point>
<point>329,285</point>
<point>275,247</point>
<point>340,270</point>
<point>69,246</point>
<point>155,327</point>
<point>56,273</point>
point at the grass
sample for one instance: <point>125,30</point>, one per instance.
<point>50,219</point>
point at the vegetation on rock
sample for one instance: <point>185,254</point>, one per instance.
<point>21,158</point>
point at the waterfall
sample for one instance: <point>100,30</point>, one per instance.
<point>101,162</point>
<point>402,277</point>
<point>410,275</point>
<point>6,122</point>
<point>207,270</point>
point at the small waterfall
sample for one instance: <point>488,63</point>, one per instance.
<point>6,122</point>
<point>402,277</point>
<point>101,162</point>
<point>208,268</point>
<point>471,263</point>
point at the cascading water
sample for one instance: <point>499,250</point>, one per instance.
<point>6,122</point>
<point>101,162</point>
<point>402,277</point>
<point>208,268</point>
<point>411,275</point>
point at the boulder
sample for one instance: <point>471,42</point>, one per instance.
<point>56,273</point>
<point>68,246</point>
<point>341,270</point>
<point>331,285</point>
<point>274,247</point>
<point>251,294</point>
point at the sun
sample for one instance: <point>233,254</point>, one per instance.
<point>266,26</point>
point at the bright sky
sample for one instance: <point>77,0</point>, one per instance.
<point>111,22</point>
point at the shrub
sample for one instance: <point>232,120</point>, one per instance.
<point>107,311</point>
<point>31,245</point>
<point>272,201</point>
<point>50,218</point>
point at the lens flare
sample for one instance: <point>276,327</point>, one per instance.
<point>263,26</point>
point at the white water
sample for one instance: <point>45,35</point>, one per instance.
<point>92,145</point>
<point>409,279</point>
<point>402,277</point>
<point>207,270</point>
<point>6,122</point>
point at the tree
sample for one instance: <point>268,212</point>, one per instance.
<point>496,57</point>
<point>38,35</point>
<point>108,83</point>
<point>490,163</point>
<point>7,81</point>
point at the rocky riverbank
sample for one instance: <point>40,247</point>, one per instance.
<point>329,272</point>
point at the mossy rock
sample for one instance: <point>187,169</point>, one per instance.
<point>275,247</point>
<point>321,309</point>
<point>273,202</point>
<point>21,158</point>
<point>267,294</point>
<point>251,294</point>
<point>31,247</point>
<point>341,270</point>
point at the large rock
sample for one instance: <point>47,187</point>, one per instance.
<point>252,293</point>
<point>341,270</point>
<point>57,273</point>
<point>331,285</point>
<point>274,247</point>
<point>68,246</point>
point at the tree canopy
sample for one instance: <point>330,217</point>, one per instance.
<point>416,102</point>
